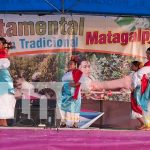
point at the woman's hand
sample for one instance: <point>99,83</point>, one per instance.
<point>73,84</point>
<point>132,89</point>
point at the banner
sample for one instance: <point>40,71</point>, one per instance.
<point>105,45</point>
<point>52,33</point>
<point>87,118</point>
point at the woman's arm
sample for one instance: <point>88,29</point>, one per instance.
<point>112,84</point>
<point>4,63</point>
<point>139,74</point>
<point>67,77</point>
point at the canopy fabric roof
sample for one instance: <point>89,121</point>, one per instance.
<point>98,7</point>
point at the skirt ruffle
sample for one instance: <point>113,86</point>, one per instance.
<point>7,106</point>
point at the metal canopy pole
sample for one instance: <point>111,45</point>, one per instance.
<point>49,3</point>
<point>62,2</point>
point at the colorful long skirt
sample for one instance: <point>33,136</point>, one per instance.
<point>144,101</point>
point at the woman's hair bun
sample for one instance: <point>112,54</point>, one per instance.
<point>9,45</point>
<point>74,58</point>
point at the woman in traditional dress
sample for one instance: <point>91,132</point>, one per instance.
<point>7,99</point>
<point>70,103</point>
<point>142,90</point>
<point>136,109</point>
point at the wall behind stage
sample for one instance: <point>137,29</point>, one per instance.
<point>45,43</point>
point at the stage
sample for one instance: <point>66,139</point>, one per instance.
<point>14,138</point>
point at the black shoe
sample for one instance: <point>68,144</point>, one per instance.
<point>63,125</point>
<point>75,125</point>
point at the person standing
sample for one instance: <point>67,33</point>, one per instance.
<point>71,96</point>
<point>136,109</point>
<point>7,99</point>
<point>142,90</point>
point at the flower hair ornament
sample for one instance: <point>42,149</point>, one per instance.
<point>9,45</point>
<point>141,65</point>
<point>74,58</point>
